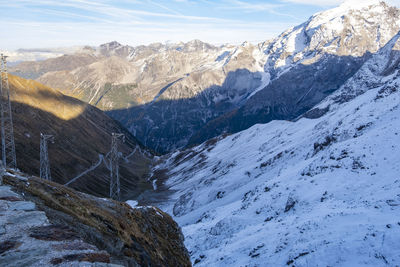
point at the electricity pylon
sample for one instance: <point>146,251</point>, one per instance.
<point>115,189</point>
<point>44,156</point>
<point>7,131</point>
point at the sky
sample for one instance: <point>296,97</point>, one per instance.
<point>63,23</point>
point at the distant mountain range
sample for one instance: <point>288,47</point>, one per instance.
<point>175,95</point>
<point>320,191</point>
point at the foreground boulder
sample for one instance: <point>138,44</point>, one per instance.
<point>143,236</point>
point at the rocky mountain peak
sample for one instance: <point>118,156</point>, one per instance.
<point>111,45</point>
<point>115,49</point>
<point>197,45</point>
<point>352,29</point>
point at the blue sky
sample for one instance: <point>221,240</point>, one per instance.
<point>48,23</point>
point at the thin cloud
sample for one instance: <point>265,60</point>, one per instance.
<point>331,3</point>
<point>315,2</point>
<point>256,7</point>
<point>165,8</point>
<point>110,10</point>
<point>63,23</point>
<point>253,7</point>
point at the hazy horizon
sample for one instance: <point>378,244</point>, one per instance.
<point>52,24</point>
<point>49,24</point>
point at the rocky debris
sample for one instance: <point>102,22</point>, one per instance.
<point>86,228</point>
<point>290,203</point>
<point>7,245</point>
<point>316,113</point>
<point>27,238</point>
<point>74,245</point>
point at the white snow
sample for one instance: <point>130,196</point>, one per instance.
<point>265,79</point>
<point>340,172</point>
<point>344,8</point>
<point>132,203</point>
<point>327,31</point>
<point>154,184</point>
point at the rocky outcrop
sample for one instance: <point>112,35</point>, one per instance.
<point>49,224</point>
<point>27,238</point>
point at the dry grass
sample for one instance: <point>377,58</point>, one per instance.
<point>147,235</point>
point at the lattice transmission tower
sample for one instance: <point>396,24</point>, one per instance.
<point>44,156</point>
<point>115,189</point>
<point>7,131</point>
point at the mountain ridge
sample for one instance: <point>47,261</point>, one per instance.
<point>205,84</point>
<point>315,187</point>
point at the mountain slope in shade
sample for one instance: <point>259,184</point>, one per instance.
<point>81,133</point>
<point>224,76</point>
<point>315,192</point>
<point>310,61</point>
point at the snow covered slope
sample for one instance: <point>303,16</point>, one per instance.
<point>315,192</point>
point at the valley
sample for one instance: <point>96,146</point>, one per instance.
<point>81,133</point>
<point>281,152</point>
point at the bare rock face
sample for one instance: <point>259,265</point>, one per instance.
<point>28,239</point>
<point>94,229</point>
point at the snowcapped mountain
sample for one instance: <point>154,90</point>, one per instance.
<point>308,62</point>
<point>314,192</point>
<point>175,95</point>
<point>352,29</point>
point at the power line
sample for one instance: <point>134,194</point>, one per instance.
<point>7,130</point>
<point>93,167</point>
<point>115,188</point>
<point>105,160</point>
<point>44,156</point>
